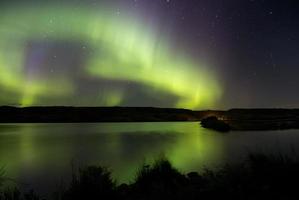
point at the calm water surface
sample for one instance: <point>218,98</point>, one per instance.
<point>42,153</point>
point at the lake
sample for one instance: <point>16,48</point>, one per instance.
<point>41,155</point>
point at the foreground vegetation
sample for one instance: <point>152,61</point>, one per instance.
<point>260,177</point>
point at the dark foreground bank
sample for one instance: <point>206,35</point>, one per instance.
<point>236,119</point>
<point>260,177</point>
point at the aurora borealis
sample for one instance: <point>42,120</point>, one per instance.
<point>95,68</point>
<point>48,53</point>
<point>194,54</point>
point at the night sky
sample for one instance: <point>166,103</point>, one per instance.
<point>198,54</point>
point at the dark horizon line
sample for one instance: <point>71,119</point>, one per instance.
<point>151,107</point>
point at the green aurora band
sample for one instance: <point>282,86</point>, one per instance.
<point>124,49</point>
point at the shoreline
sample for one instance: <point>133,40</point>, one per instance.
<point>237,119</point>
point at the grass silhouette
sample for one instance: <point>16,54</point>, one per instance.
<point>91,183</point>
<point>259,177</point>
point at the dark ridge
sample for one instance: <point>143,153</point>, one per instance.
<point>92,114</point>
<point>236,119</point>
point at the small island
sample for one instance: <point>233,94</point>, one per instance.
<point>215,124</point>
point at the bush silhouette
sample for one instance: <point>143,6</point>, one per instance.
<point>91,183</point>
<point>159,181</point>
<point>259,177</point>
